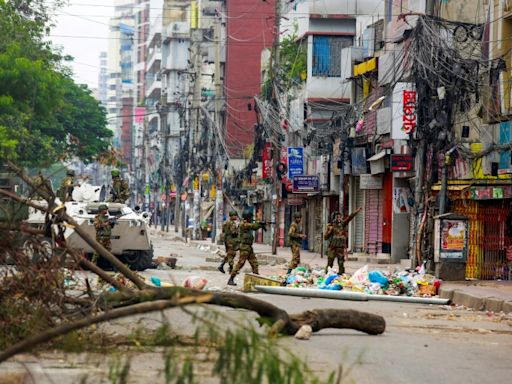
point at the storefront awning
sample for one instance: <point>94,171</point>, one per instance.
<point>377,156</point>
<point>459,187</point>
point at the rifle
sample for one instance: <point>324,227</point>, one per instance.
<point>113,219</point>
<point>263,225</point>
<point>114,194</point>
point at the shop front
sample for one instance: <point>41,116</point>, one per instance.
<point>488,209</point>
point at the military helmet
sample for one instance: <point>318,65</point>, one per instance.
<point>233,213</point>
<point>247,215</point>
<point>297,215</point>
<point>70,172</point>
<point>114,172</point>
<point>102,207</point>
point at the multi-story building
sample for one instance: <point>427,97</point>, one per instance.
<point>120,88</point>
<point>322,104</point>
<point>103,79</point>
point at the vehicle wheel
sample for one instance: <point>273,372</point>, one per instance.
<point>140,260</point>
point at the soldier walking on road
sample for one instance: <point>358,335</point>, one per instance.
<point>246,239</point>
<point>336,233</point>
<point>295,236</point>
<point>103,226</point>
<point>231,241</point>
<point>120,191</point>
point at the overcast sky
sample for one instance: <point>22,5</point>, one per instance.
<point>82,31</point>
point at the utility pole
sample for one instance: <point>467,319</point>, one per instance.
<point>164,130</point>
<point>277,149</point>
<point>343,142</point>
<point>147,189</point>
<point>196,39</point>
<point>219,199</point>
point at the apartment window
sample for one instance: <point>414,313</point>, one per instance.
<point>327,54</point>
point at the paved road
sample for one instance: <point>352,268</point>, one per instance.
<point>422,343</point>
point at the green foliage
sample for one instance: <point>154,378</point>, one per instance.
<point>119,370</point>
<point>44,115</point>
<point>293,59</point>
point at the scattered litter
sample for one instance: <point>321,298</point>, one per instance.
<point>156,281</point>
<point>304,332</point>
<point>398,283</point>
<point>165,263</point>
<point>195,282</point>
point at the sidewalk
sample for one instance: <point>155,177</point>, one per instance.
<point>478,295</point>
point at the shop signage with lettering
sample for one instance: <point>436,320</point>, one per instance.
<point>306,184</point>
<point>402,163</point>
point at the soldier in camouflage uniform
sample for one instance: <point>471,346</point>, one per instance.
<point>295,236</point>
<point>43,187</point>
<point>67,185</point>
<point>231,241</point>
<point>336,233</point>
<point>103,225</point>
<point>246,239</point>
<point>120,191</point>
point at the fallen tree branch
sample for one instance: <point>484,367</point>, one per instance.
<point>157,299</point>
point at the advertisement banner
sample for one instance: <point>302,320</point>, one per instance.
<point>306,184</point>
<point>266,162</point>
<point>295,161</point>
<point>140,113</point>
<point>404,101</point>
<point>453,235</point>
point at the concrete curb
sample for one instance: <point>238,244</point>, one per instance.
<point>459,297</point>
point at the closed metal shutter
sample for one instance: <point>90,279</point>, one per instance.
<point>373,221</point>
<point>358,228</point>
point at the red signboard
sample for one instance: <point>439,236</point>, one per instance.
<point>409,110</point>
<point>402,163</point>
<point>266,160</point>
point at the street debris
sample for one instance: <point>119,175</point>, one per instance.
<point>304,332</point>
<point>195,282</point>
<point>399,283</point>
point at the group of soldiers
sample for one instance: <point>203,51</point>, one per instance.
<point>119,191</point>
<point>240,237</point>
<point>103,223</point>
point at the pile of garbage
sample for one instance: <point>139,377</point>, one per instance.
<point>397,283</point>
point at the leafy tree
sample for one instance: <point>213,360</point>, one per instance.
<point>44,115</point>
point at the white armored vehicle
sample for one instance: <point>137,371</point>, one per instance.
<point>130,235</point>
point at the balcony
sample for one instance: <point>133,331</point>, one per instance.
<point>154,59</point>
<point>153,86</point>
<point>176,30</point>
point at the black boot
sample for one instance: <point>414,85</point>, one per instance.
<point>289,271</point>
<point>231,280</point>
<point>221,267</point>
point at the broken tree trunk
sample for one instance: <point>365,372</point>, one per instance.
<point>158,299</point>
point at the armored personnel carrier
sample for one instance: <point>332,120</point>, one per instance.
<point>130,235</point>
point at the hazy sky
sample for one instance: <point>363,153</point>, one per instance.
<point>82,31</point>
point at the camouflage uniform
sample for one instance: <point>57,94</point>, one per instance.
<point>246,251</point>
<point>336,233</point>
<point>42,185</point>
<point>231,242</point>
<point>66,188</point>
<point>295,239</point>
<point>120,190</point>
<point>103,226</point>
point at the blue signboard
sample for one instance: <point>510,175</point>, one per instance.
<point>295,162</point>
<point>306,184</point>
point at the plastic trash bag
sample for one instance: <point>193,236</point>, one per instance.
<point>195,282</point>
<point>360,276</point>
<point>378,277</point>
